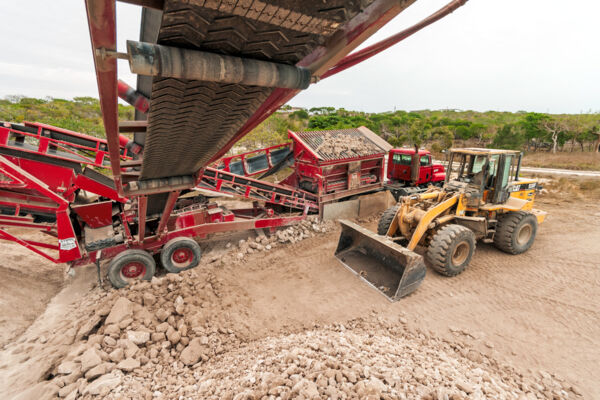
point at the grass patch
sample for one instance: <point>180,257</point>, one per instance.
<point>587,161</point>
<point>569,187</point>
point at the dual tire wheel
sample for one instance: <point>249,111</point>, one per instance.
<point>134,265</point>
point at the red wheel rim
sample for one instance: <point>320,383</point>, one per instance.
<point>133,270</point>
<point>182,257</point>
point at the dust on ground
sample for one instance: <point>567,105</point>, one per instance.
<point>290,321</point>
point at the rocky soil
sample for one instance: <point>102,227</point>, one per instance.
<point>276,317</point>
<point>184,337</point>
<point>172,338</point>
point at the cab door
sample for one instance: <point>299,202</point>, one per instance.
<point>501,193</point>
<point>425,169</point>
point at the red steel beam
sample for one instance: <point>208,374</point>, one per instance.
<point>142,207</point>
<point>162,225</point>
<point>102,24</point>
<point>14,171</point>
<point>31,246</point>
<point>133,97</point>
<point>376,48</point>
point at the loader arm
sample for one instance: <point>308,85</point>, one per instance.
<point>432,214</point>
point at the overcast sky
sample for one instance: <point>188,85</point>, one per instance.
<point>509,55</point>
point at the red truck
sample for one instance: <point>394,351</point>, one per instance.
<point>401,179</point>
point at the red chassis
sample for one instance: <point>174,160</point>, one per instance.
<point>49,183</point>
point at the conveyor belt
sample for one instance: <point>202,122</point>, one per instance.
<point>190,121</point>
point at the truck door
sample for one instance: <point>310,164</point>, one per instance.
<point>425,170</point>
<point>399,167</point>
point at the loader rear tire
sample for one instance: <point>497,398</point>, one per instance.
<point>130,266</point>
<point>180,254</point>
<point>386,220</point>
<point>515,232</point>
<point>451,249</point>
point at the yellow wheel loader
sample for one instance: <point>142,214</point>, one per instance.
<point>483,198</point>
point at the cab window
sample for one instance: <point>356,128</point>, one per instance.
<point>424,161</point>
<point>402,159</point>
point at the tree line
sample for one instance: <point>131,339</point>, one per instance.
<point>437,129</point>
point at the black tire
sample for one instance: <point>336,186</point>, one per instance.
<point>131,266</point>
<point>180,254</point>
<point>451,249</point>
<point>386,220</point>
<point>515,232</point>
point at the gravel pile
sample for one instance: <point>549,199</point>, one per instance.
<point>307,228</point>
<point>180,337</point>
<point>357,360</point>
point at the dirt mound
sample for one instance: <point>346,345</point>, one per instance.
<point>184,335</point>
<point>287,322</point>
<point>28,283</point>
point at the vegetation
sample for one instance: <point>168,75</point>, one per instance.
<point>437,130</point>
<point>82,114</point>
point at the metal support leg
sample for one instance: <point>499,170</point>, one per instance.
<point>98,268</point>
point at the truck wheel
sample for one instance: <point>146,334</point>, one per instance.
<point>386,220</point>
<point>451,249</point>
<point>180,254</point>
<point>515,232</point>
<point>131,266</point>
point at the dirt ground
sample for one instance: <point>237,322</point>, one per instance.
<point>537,312</point>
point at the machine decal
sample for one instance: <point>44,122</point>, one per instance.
<point>67,244</point>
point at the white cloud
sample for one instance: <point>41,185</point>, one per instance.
<point>490,54</point>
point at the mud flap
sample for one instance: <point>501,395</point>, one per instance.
<point>386,266</point>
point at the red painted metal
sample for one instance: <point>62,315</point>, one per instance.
<point>102,24</point>
<point>225,163</point>
<point>95,215</point>
<point>370,51</point>
<point>133,270</point>
<point>225,182</point>
<point>182,257</point>
<point>133,97</point>
<point>72,147</point>
<point>164,218</point>
<point>28,244</point>
<point>93,186</point>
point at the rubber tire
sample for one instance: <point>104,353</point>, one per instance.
<point>386,220</point>
<point>127,256</point>
<point>439,253</point>
<point>174,244</point>
<point>507,230</point>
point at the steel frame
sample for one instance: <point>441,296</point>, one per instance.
<point>322,62</point>
<point>224,163</point>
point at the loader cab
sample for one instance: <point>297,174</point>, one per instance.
<point>486,172</point>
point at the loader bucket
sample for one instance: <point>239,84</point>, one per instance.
<point>386,266</point>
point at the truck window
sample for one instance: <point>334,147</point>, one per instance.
<point>424,161</point>
<point>402,159</point>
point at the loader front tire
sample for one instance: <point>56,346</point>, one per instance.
<point>451,249</point>
<point>386,220</point>
<point>515,232</point>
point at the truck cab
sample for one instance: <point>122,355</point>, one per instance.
<point>399,167</point>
